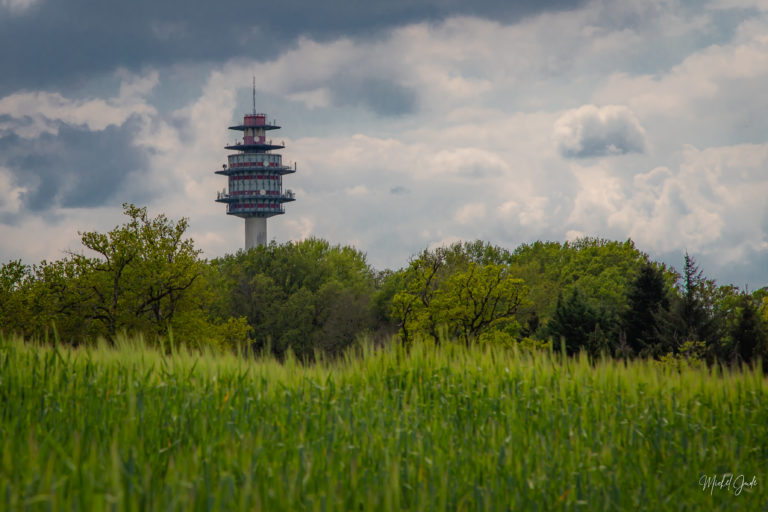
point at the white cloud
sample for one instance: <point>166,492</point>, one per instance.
<point>17,6</point>
<point>10,193</point>
<point>357,190</point>
<point>445,241</point>
<point>470,213</point>
<point>738,4</point>
<point>530,212</point>
<point>591,131</point>
<point>36,238</point>
<point>710,75</point>
<point>713,203</point>
<point>95,113</point>
<point>600,194</point>
<point>300,228</point>
<point>316,98</point>
<point>465,60</point>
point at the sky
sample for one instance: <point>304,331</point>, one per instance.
<point>413,123</point>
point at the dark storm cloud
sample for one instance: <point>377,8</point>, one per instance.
<point>74,168</point>
<point>56,43</point>
<point>384,97</point>
<point>398,190</point>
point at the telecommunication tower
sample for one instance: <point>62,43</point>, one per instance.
<point>255,176</point>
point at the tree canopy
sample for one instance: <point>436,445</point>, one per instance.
<point>313,298</point>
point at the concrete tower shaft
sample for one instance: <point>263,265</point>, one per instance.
<point>255,232</point>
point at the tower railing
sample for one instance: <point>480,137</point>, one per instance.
<point>254,209</point>
<point>223,195</point>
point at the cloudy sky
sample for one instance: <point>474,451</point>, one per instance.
<point>414,122</point>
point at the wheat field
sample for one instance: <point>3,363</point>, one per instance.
<point>431,428</point>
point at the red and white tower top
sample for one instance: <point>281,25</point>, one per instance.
<point>255,176</point>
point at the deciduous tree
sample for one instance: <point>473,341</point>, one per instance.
<point>450,292</point>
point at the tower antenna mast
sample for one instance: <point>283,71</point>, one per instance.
<point>254,94</point>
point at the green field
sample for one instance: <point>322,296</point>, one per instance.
<point>433,429</point>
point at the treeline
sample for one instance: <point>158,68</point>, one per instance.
<point>604,297</point>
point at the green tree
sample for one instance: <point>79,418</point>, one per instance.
<point>577,323</point>
<point>388,283</point>
<point>306,296</point>
<point>59,298</point>
<point>144,277</point>
<point>647,301</point>
<point>603,270</point>
<point>746,332</point>
<point>693,312</point>
<point>478,299</point>
<point>15,278</point>
<point>141,275</point>
<point>700,310</point>
<point>454,293</point>
<point>343,314</point>
<point>411,307</point>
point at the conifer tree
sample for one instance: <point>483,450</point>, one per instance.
<point>647,300</point>
<point>576,322</point>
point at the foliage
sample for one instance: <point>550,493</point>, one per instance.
<point>141,274</point>
<point>14,279</point>
<point>311,298</point>
<point>602,270</point>
<point>457,292</point>
<point>647,302</point>
<point>697,307</point>
<point>387,283</point>
<point>691,354</point>
<point>306,296</point>
<point>145,278</point>
<point>578,324</point>
<point>746,332</point>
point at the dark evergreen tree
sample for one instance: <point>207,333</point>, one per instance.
<point>701,312</point>
<point>694,310</point>
<point>576,322</point>
<point>647,301</point>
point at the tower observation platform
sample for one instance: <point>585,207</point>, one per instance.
<point>255,176</point>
